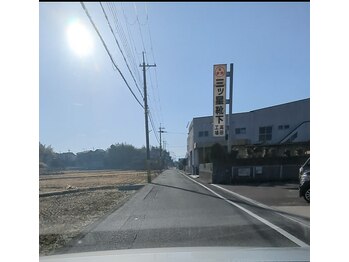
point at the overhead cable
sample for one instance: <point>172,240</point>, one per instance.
<point>122,53</point>
<point>113,9</point>
<point>156,74</point>
<point>110,56</point>
<point>153,126</point>
<point>139,25</point>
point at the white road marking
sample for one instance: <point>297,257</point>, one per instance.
<point>261,205</point>
<point>276,228</point>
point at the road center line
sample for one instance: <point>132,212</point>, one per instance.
<point>276,228</point>
<point>261,205</point>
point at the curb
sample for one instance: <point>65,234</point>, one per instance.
<point>65,192</point>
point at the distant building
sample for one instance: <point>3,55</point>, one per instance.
<point>284,123</point>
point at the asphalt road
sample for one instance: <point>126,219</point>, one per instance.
<point>175,211</point>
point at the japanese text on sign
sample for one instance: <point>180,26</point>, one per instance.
<point>219,94</point>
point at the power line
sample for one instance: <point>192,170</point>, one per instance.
<point>122,53</point>
<point>151,47</point>
<point>139,25</point>
<point>156,74</point>
<point>151,42</point>
<point>153,98</point>
<point>123,38</point>
<point>153,126</point>
<point>155,101</point>
<point>141,34</point>
<point>158,92</point>
<point>134,50</point>
<point>151,108</point>
<point>178,133</point>
<point>110,56</point>
<point>127,49</point>
<point>146,21</point>
<point>125,44</point>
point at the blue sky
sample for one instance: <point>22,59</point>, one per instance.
<point>84,103</point>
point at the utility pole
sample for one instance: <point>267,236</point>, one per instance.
<point>161,131</point>
<point>146,115</point>
<point>165,145</point>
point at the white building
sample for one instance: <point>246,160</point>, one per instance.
<point>284,123</point>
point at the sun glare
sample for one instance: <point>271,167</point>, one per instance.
<point>79,38</point>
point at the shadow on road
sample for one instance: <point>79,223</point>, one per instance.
<point>188,190</point>
<point>235,200</point>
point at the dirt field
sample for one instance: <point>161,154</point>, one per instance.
<point>63,217</point>
<point>86,179</point>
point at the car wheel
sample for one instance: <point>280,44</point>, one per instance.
<point>307,195</point>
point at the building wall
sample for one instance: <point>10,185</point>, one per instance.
<point>291,114</point>
<point>289,122</point>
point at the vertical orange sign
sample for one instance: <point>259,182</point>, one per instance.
<point>219,99</point>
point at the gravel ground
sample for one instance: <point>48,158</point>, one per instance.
<point>64,217</point>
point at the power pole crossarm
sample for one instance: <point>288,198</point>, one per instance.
<point>146,116</point>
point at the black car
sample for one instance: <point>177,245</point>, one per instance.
<point>304,181</point>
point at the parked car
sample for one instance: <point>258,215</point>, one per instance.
<point>304,180</point>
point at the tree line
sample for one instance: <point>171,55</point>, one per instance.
<point>118,156</point>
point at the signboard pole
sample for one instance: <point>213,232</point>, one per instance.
<point>230,131</point>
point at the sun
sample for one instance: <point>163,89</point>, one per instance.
<point>79,38</point>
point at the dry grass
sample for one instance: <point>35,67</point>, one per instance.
<point>86,179</point>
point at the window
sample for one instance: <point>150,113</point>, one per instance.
<point>241,130</point>
<point>265,133</point>
<point>281,127</point>
<point>286,126</point>
<point>203,133</point>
